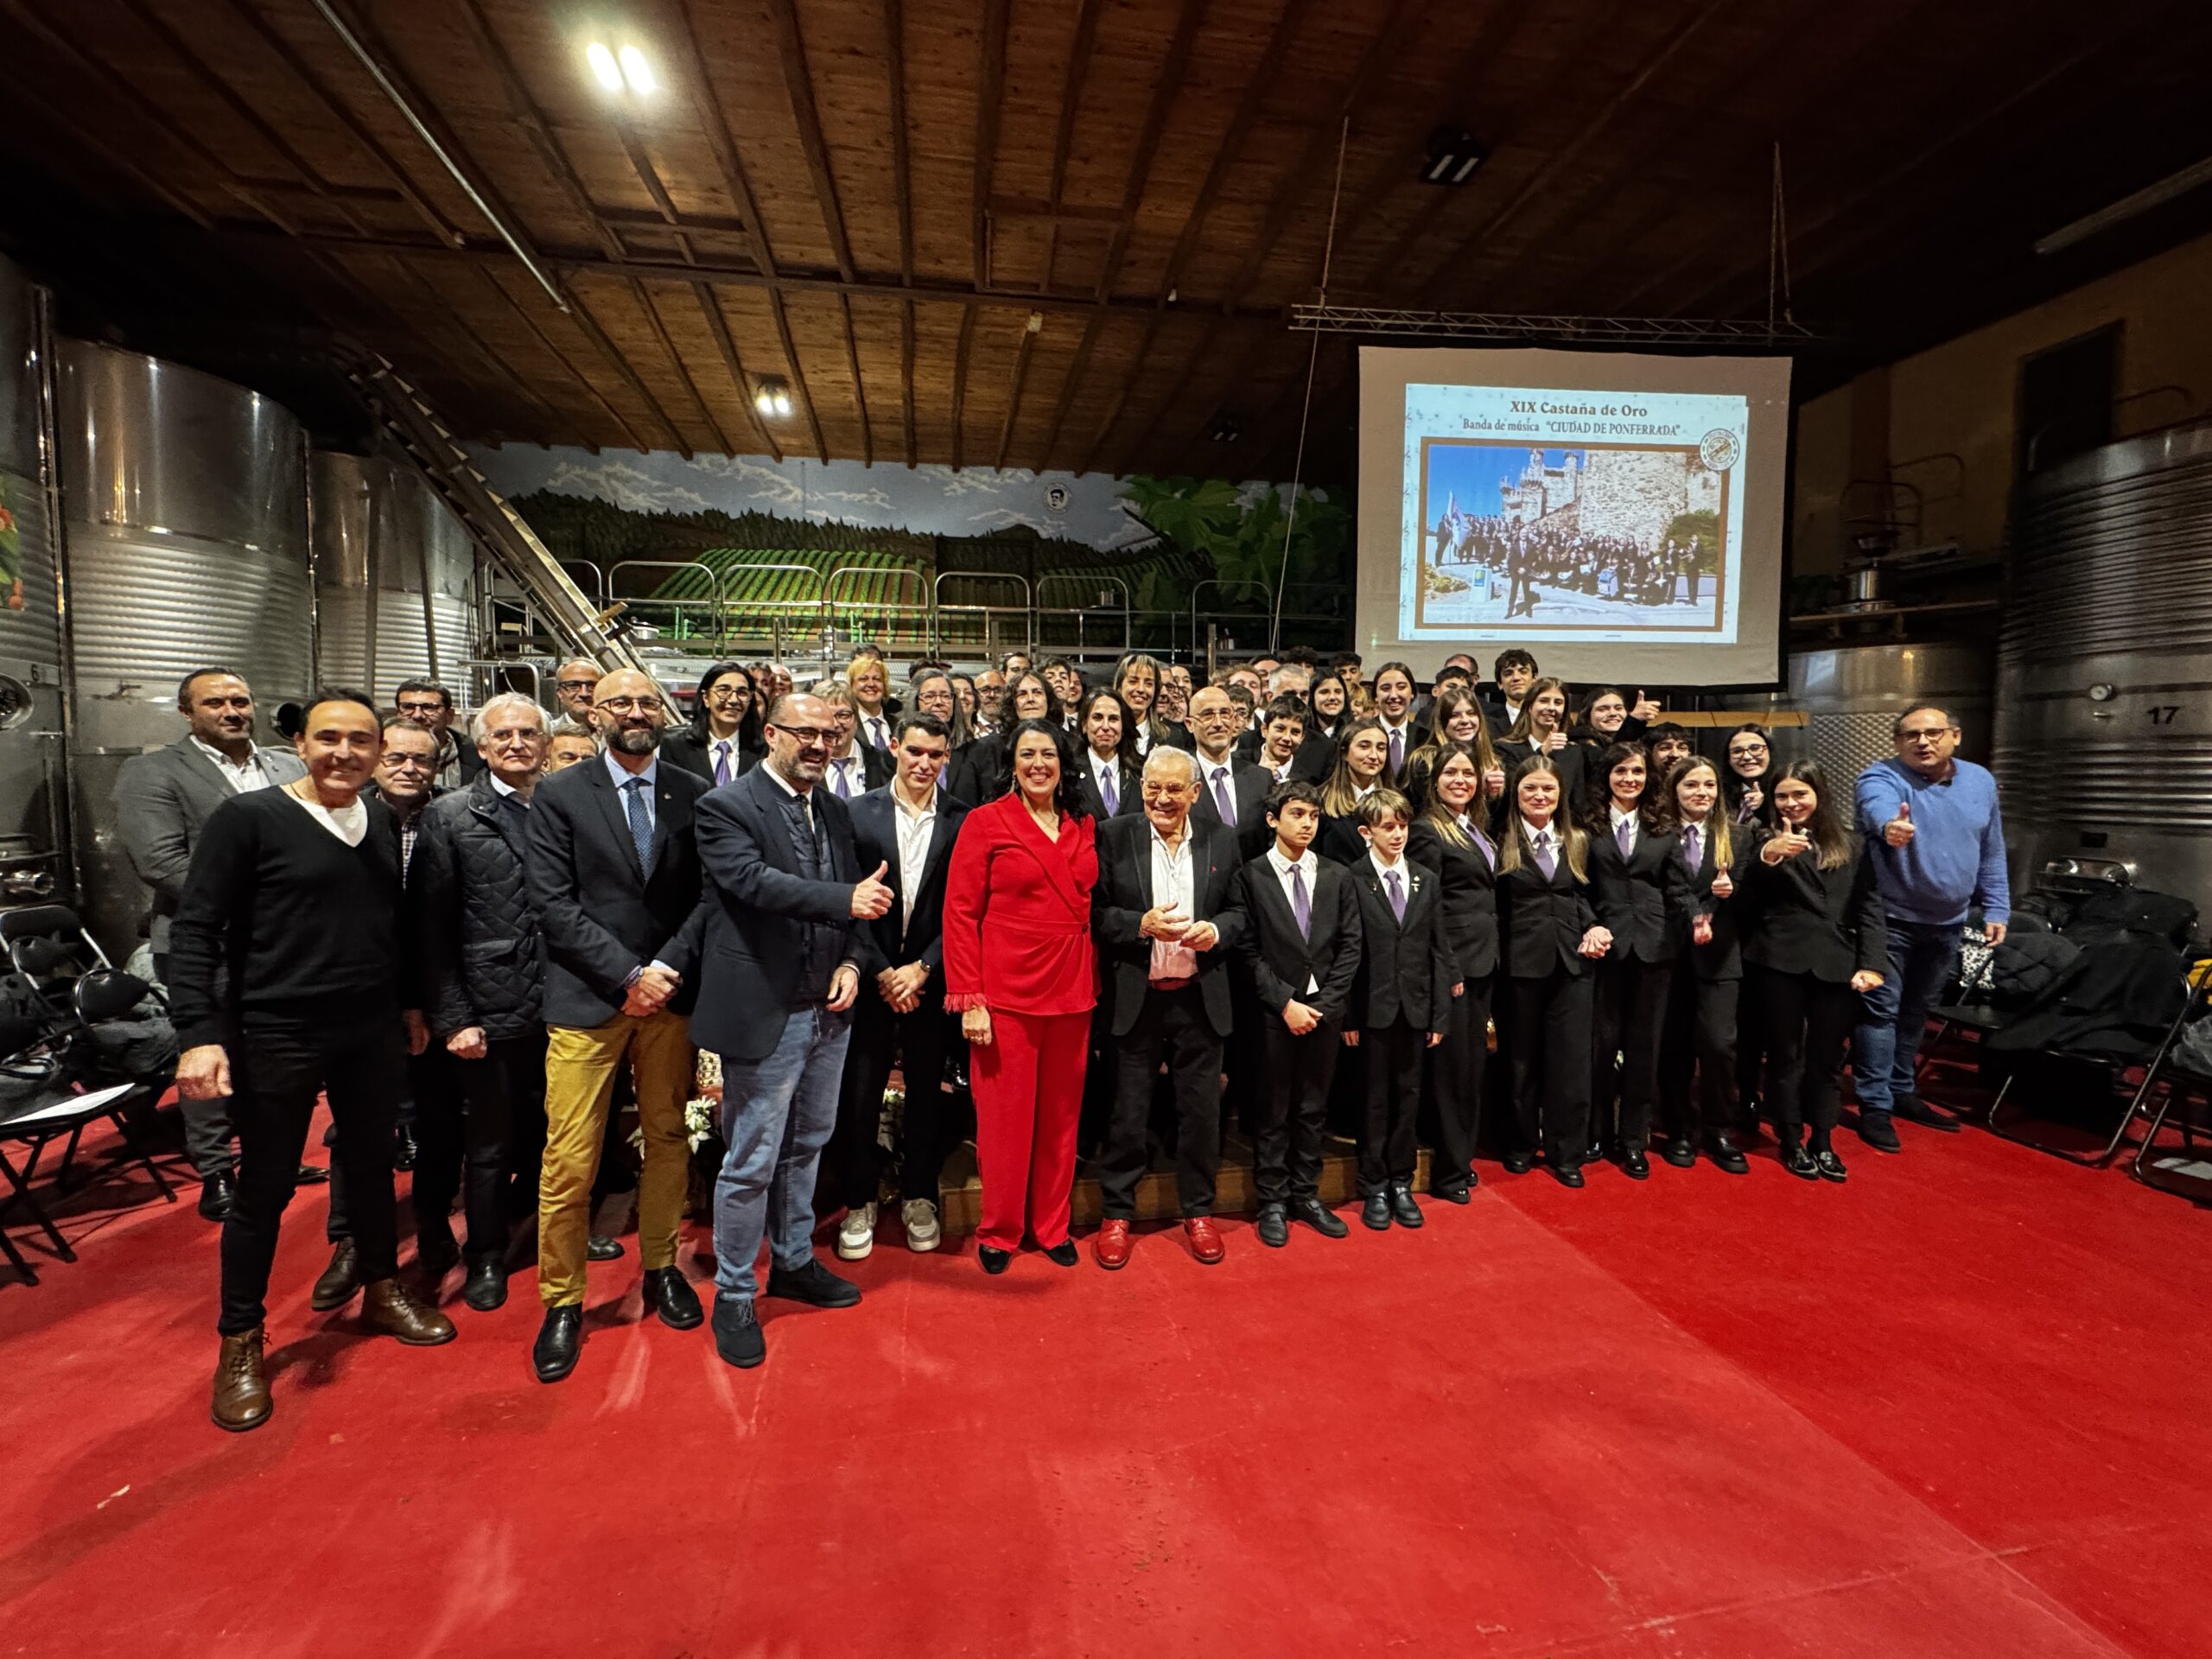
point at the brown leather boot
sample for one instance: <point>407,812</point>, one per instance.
<point>397,1309</point>
<point>241,1397</point>
<point>340,1280</point>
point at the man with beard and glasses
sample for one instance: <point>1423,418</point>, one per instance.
<point>783,942</point>
<point>292,979</point>
<point>613,875</point>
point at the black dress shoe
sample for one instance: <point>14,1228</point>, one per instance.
<point>1913,1109</point>
<point>1375,1212</point>
<point>600,1248</point>
<point>1878,1132</point>
<point>553,1355</point>
<point>1829,1165</point>
<point>1452,1191</point>
<point>1637,1166</point>
<point>1518,1163</point>
<point>1681,1152</point>
<point>1799,1162</point>
<point>817,1287</point>
<point>737,1333</point>
<point>340,1280</point>
<point>1726,1152</point>
<point>1403,1210</point>
<point>485,1288</point>
<point>1064,1254</point>
<point>1273,1226</point>
<point>994,1259</point>
<point>1317,1216</point>
<point>403,1146</point>
<point>217,1194</point>
<point>310,1175</point>
<point>1567,1174</point>
<point>434,1259</point>
<point>676,1303</point>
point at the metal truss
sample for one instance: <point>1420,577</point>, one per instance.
<point>1498,325</point>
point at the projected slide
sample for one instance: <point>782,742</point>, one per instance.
<point>1630,503</point>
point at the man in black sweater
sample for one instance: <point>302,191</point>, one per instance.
<point>286,977</point>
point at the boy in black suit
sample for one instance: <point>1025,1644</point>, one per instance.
<point>1302,944</point>
<point>1400,1005</point>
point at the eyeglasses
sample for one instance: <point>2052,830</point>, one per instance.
<point>729,694</point>
<point>1931,734</point>
<point>420,707</point>
<point>409,763</point>
<point>806,736</point>
<point>1735,749</point>
<point>575,685</point>
<point>626,705</point>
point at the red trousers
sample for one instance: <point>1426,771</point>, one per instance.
<point>1028,1087</point>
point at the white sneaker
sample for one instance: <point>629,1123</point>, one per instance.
<point>856,1237</point>
<point>920,1216</point>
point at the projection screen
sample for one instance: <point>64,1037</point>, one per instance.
<point>1620,515</point>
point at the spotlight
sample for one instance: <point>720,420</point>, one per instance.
<point>1452,157</point>
<point>638,72</point>
<point>773,396</point>
<point>608,73</point>
<point>1226,430</point>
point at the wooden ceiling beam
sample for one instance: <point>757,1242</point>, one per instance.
<point>288,55</point>
<point>1174,65</point>
<point>535,127</point>
<point>1121,396</point>
<point>1079,50</point>
<point>448,314</point>
<point>860,392</point>
<point>1030,329</point>
<point>782,320</point>
<point>902,186</point>
<point>620,420</point>
<point>62,119</point>
<point>960,380</point>
<point>991,96</point>
<point>622,366</point>
<point>798,85</point>
<point>653,320</point>
<point>906,377</point>
<point>1069,383</point>
<point>711,307</point>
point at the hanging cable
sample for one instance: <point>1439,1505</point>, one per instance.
<point>1777,251</point>
<point>1306,414</point>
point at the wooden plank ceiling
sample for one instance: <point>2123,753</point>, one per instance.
<point>874,198</point>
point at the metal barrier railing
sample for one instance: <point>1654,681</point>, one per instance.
<point>917,615</point>
<point>989,616</point>
<point>1105,585</point>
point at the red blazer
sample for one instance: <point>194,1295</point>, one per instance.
<point>1017,913</point>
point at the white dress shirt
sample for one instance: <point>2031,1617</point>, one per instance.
<point>853,768</point>
<point>242,776</point>
<point>1635,828</point>
<point>622,775</point>
<point>1307,867</point>
<point>1102,770</point>
<point>917,825</point>
<point>1171,885</point>
<point>1402,870</point>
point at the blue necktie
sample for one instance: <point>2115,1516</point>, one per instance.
<point>641,824</point>
<point>721,761</point>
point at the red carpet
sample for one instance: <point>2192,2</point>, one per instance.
<point>1953,1408</point>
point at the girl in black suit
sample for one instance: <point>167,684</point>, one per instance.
<point>1330,700</point>
<point>1550,935</point>
<point>728,709</point>
<point>1452,839</point>
<point>982,773</point>
<point>1107,733</point>
<point>1816,939</point>
<point>1454,717</point>
<point>1699,1040</point>
<point>1136,679</point>
<point>1542,730</point>
<point>1751,773</point>
<point>1642,896</point>
<point>1363,756</point>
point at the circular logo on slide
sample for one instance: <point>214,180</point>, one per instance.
<point>1718,450</point>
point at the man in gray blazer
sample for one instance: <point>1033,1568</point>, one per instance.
<point>162,798</point>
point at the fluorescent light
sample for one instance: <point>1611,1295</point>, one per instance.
<point>1465,168</point>
<point>638,72</point>
<point>2153,195</point>
<point>603,66</point>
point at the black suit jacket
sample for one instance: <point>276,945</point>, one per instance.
<point>1250,784</point>
<point>1316,755</point>
<point>1282,961</point>
<point>1724,958</point>
<point>1803,919</point>
<point>1573,762</point>
<point>1641,900</point>
<point>696,754</point>
<point>1124,894</point>
<point>602,916</point>
<point>1408,972</point>
<point>889,941</point>
<point>1129,790</point>
<point>1540,923</point>
<point>1470,898</point>
<point>757,905</point>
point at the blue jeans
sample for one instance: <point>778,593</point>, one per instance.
<point>777,1115</point>
<point>1923,955</point>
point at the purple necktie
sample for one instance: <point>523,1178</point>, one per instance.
<point>1546,860</point>
<point>1397,751</point>
<point>875,733</point>
<point>721,761</point>
<point>1222,801</point>
<point>1300,907</point>
<point>1490,853</point>
<point>1397,894</point>
<point>1693,854</point>
<point>844,789</point>
<point>1111,795</point>
<point>1621,832</point>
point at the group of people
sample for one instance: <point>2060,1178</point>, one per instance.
<point>1079,909</point>
<point>1634,570</point>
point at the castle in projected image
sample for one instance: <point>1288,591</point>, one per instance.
<point>1605,535</point>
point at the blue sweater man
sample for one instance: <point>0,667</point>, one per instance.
<point>1938,842</point>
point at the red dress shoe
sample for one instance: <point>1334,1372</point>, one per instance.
<point>1205,1243</point>
<point>1111,1246</point>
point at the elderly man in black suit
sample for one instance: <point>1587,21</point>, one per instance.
<point>783,947</point>
<point>908,827</point>
<point>1167,913</point>
<point>613,874</point>
<point>162,800</point>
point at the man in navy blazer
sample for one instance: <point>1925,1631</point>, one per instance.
<point>780,961</point>
<point>908,826</point>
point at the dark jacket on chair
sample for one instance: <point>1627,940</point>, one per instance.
<point>602,916</point>
<point>1122,895</point>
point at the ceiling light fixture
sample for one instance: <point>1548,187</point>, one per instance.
<point>1453,156</point>
<point>603,66</point>
<point>772,396</point>
<point>638,72</point>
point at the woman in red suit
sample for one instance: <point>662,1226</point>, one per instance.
<point>1019,970</point>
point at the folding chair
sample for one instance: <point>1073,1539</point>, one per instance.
<point>2151,1059</point>
<point>2187,1175</point>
